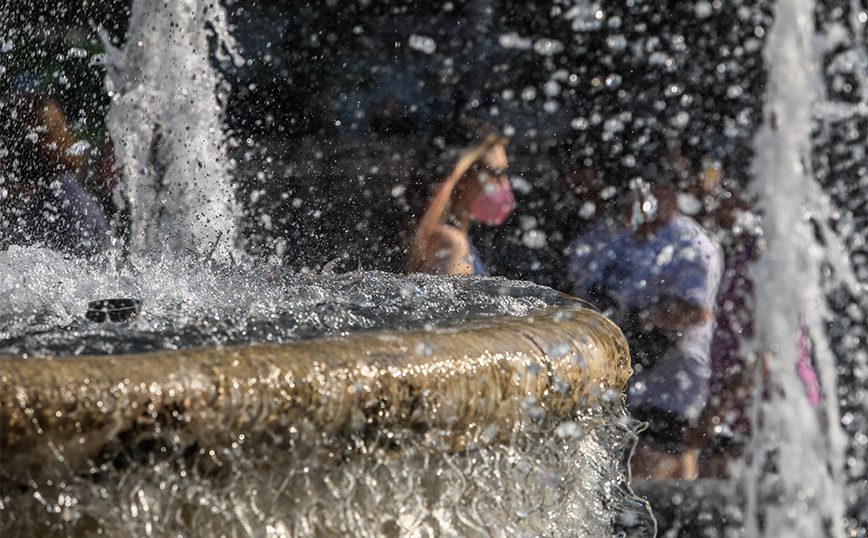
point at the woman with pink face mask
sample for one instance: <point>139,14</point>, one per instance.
<point>475,189</point>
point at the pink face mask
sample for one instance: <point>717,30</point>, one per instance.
<point>493,207</point>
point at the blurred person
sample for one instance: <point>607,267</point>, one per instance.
<point>581,180</point>
<point>655,272</point>
<point>41,202</point>
<point>473,187</point>
<point>729,213</point>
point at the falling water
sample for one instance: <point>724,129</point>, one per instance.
<point>166,120</point>
<point>797,450</point>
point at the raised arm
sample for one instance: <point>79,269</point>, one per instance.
<point>438,248</point>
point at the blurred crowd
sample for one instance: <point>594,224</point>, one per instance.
<point>681,297</point>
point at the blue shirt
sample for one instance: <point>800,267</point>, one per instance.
<point>679,262</point>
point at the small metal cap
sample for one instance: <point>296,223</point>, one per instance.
<point>117,310</point>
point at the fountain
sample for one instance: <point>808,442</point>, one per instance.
<point>177,182</point>
<point>262,420</point>
<point>801,437</point>
<point>500,424</point>
<point>227,400</point>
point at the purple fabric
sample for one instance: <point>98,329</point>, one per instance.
<point>64,217</point>
<point>806,366</point>
<point>734,325</point>
<point>733,316</point>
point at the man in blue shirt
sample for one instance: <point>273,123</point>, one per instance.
<point>655,272</point>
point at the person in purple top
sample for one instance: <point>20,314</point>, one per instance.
<point>655,272</point>
<point>62,216</point>
<point>41,202</point>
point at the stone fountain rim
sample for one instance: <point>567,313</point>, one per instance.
<point>462,382</point>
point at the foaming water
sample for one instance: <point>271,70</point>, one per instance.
<point>550,480</point>
<point>188,302</point>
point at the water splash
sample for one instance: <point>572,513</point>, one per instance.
<point>166,120</point>
<point>44,297</point>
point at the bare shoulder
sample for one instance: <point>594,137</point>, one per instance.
<point>448,236</point>
<point>445,250</point>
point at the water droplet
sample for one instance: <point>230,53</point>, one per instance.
<point>534,239</point>
<point>398,190</point>
<point>424,348</point>
<point>514,41</point>
<point>735,91</point>
<point>588,210</point>
<point>570,429</point>
<point>681,119</point>
<point>76,52</point>
<point>552,88</point>
<point>702,9</point>
<point>617,43</point>
<point>608,192</point>
<point>689,204</point>
<point>422,44</point>
<point>548,47</point>
<point>579,124</point>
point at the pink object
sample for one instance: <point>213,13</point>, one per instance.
<point>492,208</point>
<point>805,367</point>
